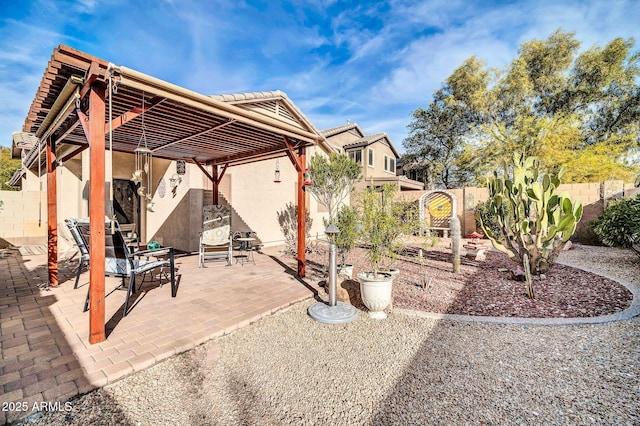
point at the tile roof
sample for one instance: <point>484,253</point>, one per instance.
<point>22,140</point>
<point>340,129</point>
<point>369,139</point>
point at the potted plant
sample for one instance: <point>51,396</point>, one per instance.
<point>405,217</point>
<point>346,239</point>
<point>379,230</point>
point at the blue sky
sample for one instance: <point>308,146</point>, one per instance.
<point>368,62</point>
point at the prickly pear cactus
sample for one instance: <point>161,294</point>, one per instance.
<point>533,219</point>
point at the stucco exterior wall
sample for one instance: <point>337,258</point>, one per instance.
<point>175,217</point>
<point>258,199</point>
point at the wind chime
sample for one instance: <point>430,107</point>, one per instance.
<point>144,165</point>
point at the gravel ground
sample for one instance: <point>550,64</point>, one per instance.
<point>287,369</point>
<point>480,288</point>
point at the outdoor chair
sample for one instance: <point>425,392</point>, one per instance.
<point>130,237</point>
<point>121,262</point>
<point>83,248</point>
<point>215,239</point>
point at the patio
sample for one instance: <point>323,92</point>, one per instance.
<point>46,354</point>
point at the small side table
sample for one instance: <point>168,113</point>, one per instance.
<point>246,250</point>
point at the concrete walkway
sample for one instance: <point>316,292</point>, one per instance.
<point>45,352</point>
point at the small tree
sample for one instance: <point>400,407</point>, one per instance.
<point>534,223</point>
<point>333,178</point>
<point>346,222</point>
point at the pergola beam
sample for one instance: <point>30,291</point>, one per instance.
<point>132,114</point>
<point>204,132</point>
<point>215,178</point>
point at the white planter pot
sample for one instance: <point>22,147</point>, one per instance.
<point>346,269</point>
<point>376,293</point>
<point>393,271</point>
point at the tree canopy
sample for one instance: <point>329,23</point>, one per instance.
<point>333,178</point>
<point>8,167</point>
<point>565,107</point>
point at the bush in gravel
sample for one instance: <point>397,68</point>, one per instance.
<point>487,217</point>
<point>619,223</point>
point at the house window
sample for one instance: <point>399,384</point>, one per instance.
<point>356,156</point>
<point>389,164</point>
<point>370,163</point>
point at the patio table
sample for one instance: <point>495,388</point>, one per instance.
<point>246,247</point>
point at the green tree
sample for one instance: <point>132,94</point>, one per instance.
<point>333,178</point>
<point>564,107</point>
<point>436,143</point>
<point>8,167</point>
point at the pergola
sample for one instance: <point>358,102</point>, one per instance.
<point>85,102</point>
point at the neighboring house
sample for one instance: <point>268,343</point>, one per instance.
<point>179,190</point>
<point>376,153</point>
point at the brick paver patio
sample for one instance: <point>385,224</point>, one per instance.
<point>45,350</point>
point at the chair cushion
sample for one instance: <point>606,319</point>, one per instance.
<point>116,266</point>
<point>216,236</point>
<point>123,267</point>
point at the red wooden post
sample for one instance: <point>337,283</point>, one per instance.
<point>302,210</point>
<point>96,213</point>
<point>214,185</point>
<point>52,213</point>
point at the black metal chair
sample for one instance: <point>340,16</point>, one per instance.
<point>121,262</point>
<point>83,248</point>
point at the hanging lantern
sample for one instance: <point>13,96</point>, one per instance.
<point>276,179</point>
<point>181,167</point>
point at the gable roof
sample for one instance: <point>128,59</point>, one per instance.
<point>370,139</point>
<point>353,127</point>
<point>275,104</point>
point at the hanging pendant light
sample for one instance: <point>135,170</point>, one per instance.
<point>276,179</point>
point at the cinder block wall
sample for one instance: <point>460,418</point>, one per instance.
<point>594,197</point>
<point>23,217</point>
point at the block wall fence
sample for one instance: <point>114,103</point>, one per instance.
<point>594,197</point>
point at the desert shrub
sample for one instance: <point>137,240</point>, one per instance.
<point>489,219</point>
<point>619,222</point>
<point>288,220</point>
